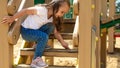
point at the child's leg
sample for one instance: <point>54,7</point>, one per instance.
<point>47,28</point>
<point>38,36</point>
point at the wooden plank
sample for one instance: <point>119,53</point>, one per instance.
<point>103,49</point>
<point>6,54</point>
<point>60,54</point>
<point>76,33</point>
<point>84,49</point>
<point>111,8</point>
<point>104,30</point>
<point>111,40</point>
<point>94,50</point>
<point>13,6</point>
<point>117,16</point>
<point>70,21</point>
<point>105,19</point>
<point>47,1</point>
<point>108,19</point>
<point>64,35</point>
<point>14,31</point>
<point>117,50</point>
<point>28,66</point>
<point>96,47</point>
<point>67,28</point>
<point>29,59</point>
<point>104,11</point>
<point>52,52</point>
<point>111,30</point>
<point>75,8</point>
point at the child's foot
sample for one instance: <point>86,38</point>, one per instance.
<point>48,47</point>
<point>34,63</point>
<point>38,63</point>
<point>34,66</point>
<point>41,63</point>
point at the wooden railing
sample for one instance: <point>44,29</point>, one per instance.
<point>13,7</point>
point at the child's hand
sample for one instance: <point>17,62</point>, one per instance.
<point>7,19</point>
<point>65,45</point>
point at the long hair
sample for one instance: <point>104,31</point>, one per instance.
<point>56,4</point>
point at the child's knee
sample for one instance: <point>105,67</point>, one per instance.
<point>51,26</point>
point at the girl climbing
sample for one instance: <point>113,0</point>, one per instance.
<point>42,20</point>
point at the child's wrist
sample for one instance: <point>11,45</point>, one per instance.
<point>13,18</point>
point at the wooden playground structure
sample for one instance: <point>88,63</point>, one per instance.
<point>88,29</point>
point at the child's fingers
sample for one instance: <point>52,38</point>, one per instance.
<point>4,21</point>
<point>5,18</point>
<point>66,47</point>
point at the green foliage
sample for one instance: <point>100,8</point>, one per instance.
<point>70,13</point>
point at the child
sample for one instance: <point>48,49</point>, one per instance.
<point>41,21</point>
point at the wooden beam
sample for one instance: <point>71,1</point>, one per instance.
<point>103,10</point>
<point>76,33</point>
<point>28,66</point>
<point>47,1</point>
<point>85,27</point>
<point>103,48</point>
<point>6,51</point>
<point>52,52</point>
<point>103,33</point>
<point>111,30</point>
<point>13,6</point>
<point>14,31</point>
<point>96,47</point>
<point>64,35</point>
<point>108,19</point>
<point>75,8</point>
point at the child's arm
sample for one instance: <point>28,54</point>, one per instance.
<point>60,39</point>
<point>27,11</point>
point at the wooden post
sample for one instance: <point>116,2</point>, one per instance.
<point>13,6</point>
<point>103,9</point>
<point>111,30</point>
<point>96,23</point>
<point>103,47</point>
<point>103,34</point>
<point>6,50</point>
<point>84,48</point>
